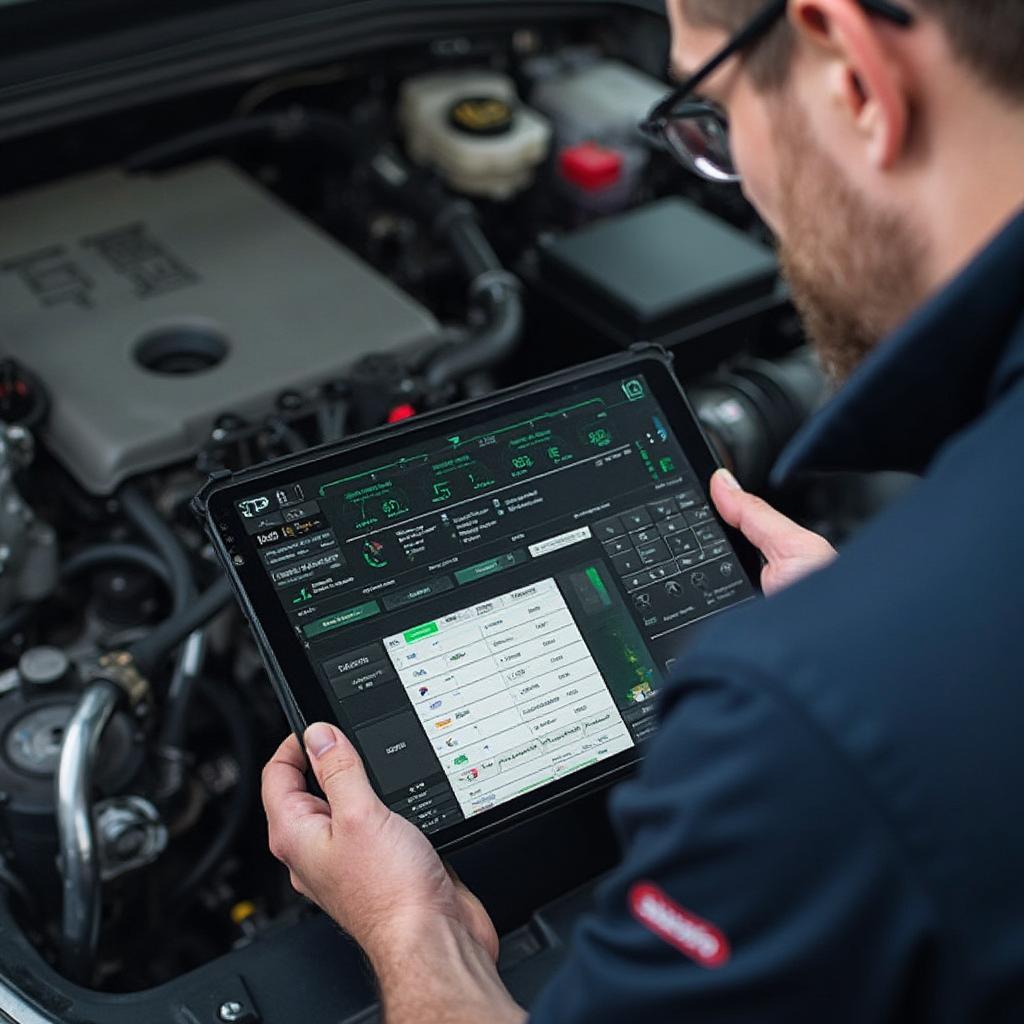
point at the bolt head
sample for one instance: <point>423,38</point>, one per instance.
<point>129,842</point>
<point>231,1011</point>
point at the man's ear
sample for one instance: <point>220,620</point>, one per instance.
<point>865,76</point>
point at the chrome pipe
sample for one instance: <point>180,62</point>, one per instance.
<point>79,855</point>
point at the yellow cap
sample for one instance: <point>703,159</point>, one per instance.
<point>242,910</point>
<point>482,115</point>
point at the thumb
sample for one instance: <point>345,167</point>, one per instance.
<point>773,534</point>
<point>339,771</point>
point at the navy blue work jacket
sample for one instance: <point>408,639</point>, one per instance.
<point>829,826</point>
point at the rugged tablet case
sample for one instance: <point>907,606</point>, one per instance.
<point>224,478</point>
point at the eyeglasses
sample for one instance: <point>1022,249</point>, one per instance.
<point>696,131</point>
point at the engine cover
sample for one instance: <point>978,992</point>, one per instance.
<point>151,305</point>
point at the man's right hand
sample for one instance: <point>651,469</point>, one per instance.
<point>790,551</point>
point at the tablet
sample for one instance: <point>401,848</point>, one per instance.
<point>487,600</point>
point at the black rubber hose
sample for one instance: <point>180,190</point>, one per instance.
<point>484,348</point>
<point>491,286</point>
<point>238,804</point>
<point>90,558</point>
<point>452,221</point>
<point>457,225</point>
<point>179,693</point>
<point>117,554</point>
<point>148,522</point>
<point>150,651</point>
<point>193,144</point>
<point>282,126</point>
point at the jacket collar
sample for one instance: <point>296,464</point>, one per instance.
<point>928,379</point>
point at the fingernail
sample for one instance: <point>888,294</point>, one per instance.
<point>729,480</point>
<point>319,739</point>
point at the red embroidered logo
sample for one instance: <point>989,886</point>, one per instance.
<point>691,935</point>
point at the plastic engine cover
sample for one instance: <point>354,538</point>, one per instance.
<point>151,305</point>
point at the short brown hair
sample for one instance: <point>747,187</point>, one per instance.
<point>988,35</point>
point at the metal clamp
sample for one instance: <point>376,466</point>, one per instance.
<point>119,668</point>
<point>496,282</point>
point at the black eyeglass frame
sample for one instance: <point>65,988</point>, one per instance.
<point>677,104</point>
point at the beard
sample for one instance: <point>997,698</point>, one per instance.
<point>854,271</point>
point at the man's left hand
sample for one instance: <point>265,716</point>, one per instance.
<point>374,872</point>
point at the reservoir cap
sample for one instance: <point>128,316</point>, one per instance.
<point>485,116</point>
<point>590,167</point>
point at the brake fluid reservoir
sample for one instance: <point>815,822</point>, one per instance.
<point>471,127</point>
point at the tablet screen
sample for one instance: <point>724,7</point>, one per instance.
<point>491,611</point>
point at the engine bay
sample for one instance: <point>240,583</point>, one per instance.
<point>245,271</point>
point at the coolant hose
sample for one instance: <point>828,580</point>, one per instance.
<point>491,288</point>
<point>282,126</point>
<point>150,651</point>
<point>79,856</point>
<point>114,554</point>
<point>181,690</point>
<point>149,523</point>
<point>89,558</point>
<point>197,143</point>
<point>455,222</point>
<point>487,346</point>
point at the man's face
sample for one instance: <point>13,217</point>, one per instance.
<point>850,262</point>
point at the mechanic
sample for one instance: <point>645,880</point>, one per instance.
<point>827,827</point>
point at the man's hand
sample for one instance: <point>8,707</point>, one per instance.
<point>371,870</point>
<point>429,938</point>
<point>791,551</point>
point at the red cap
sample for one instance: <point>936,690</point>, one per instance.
<point>590,166</point>
<point>401,412</point>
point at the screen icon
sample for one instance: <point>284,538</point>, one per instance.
<point>290,495</point>
<point>252,507</point>
<point>633,389</point>
<point>373,554</point>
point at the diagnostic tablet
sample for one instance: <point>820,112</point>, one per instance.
<point>487,600</point>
